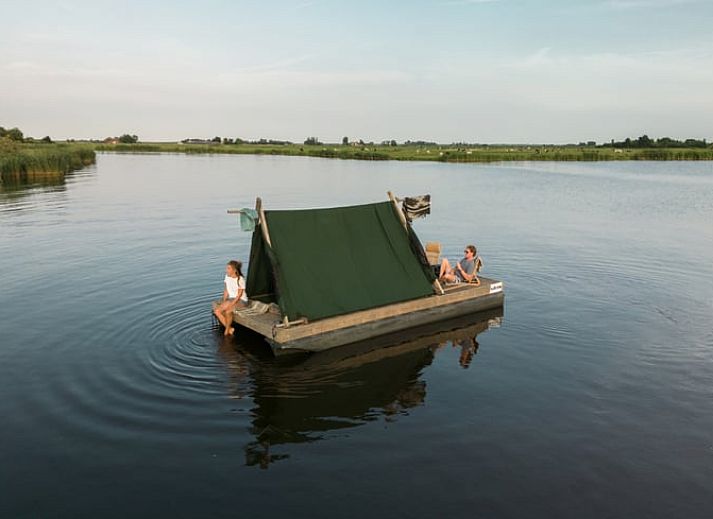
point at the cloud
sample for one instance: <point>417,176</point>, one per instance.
<point>538,58</point>
<point>132,81</point>
<point>664,61</point>
<point>468,2</point>
<point>654,80</point>
<point>303,5</point>
<point>276,65</point>
<point>635,4</point>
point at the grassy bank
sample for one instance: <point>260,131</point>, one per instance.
<point>28,161</point>
<point>426,153</point>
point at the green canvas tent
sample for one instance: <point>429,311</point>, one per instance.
<point>319,263</point>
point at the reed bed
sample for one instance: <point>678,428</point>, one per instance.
<point>25,162</point>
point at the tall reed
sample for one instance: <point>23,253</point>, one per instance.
<point>26,161</point>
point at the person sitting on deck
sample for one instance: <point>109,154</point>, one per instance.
<point>234,296</point>
<point>466,270</point>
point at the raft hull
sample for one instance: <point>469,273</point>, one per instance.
<point>458,300</point>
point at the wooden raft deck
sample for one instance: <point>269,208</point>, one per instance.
<point>460,299</point>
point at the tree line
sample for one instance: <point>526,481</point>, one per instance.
<point>15,134</point>
<point>664,142</point>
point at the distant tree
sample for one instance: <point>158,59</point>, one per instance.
<point>419,143</point>
<point>393,143</point>
<point>345,141</point>
<point>663,142</point>
<point>47,139</point>
<point>3,132</point>
<point>644,142</point>
<point>238,140</point>
<point>226,140</point>
<point>14,134</point>
<point>128,139</point>
<point>216,139</point>
<point>695,143</point>
<point>312,141</point>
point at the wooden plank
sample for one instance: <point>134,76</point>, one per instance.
<point>461,299</point>
<point>423,336</point>
<point>369,330</point>
<point>461,293</point>
<point>260,323</point>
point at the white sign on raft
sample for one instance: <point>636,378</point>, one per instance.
<point>496,287</point>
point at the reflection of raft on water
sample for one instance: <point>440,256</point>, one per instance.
<point>303,398</point>
<point>329,277</point>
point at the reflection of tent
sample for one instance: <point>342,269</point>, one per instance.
<point>319,263</point>
<point>302,398</point>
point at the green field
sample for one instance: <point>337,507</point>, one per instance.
<point>444,153</point>
<point>23,162</point>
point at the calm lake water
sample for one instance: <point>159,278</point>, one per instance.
<point>591,397</point>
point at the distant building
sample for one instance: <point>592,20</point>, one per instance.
<point>197,141</point>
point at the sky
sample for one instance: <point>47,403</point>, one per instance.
<point>489,71</point>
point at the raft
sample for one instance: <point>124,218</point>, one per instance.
<point>322,278</point>
<point>460,300</point>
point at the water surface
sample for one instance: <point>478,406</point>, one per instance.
<point>591,397</point>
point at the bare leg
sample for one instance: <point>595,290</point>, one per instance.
<point>447,273</point>
<point>229,330</point>
<point>445,267</point>
<point>228,314</point>
<point>219,312</point>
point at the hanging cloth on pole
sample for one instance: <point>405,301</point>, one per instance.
<point>416,207</point>
<point>248,219</point>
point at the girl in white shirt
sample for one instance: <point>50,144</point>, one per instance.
<point>234,296</point>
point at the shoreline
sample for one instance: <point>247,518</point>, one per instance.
<point>451,154</point>
<point>23,162</point>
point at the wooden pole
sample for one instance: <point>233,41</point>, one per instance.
<point>263,221</point>
<point>437,288</point>
<point>266,236</point>
<point>401,214</point>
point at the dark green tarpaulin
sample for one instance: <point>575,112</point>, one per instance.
<point>326,262</point>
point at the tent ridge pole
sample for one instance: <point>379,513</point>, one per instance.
<point>263,221</point>
<point>401,214</point>
<point>437,288</point>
